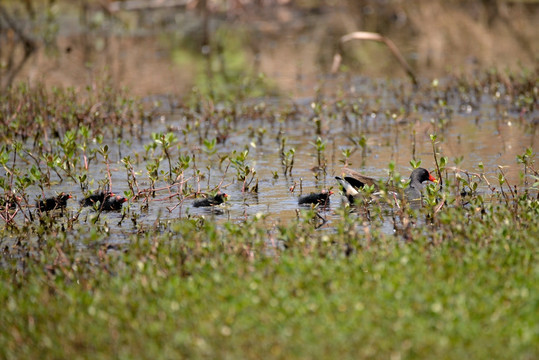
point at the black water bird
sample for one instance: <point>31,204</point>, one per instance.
<point>112,203</point>
<point>9,202</point>
<point>218,199</point>
<point>98,197</point>
<point>353,181</point>
<point>321,198</point>
<point>53,203</point>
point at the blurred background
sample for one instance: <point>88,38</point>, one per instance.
<point>265,46</point>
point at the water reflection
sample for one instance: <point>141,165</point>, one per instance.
<point>481,135</point>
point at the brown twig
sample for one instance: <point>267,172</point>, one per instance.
<point>137,5</point>
<point>438,207</point>
<point>438,172</point>
<point>364,35</point>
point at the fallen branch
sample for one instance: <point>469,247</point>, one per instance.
<point>363,35</point>
<point>133,5</point>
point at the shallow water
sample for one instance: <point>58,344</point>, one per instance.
<point>475,131</point>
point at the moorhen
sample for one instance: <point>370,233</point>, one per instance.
<point>98,197</point>
<point>53,203</point>
<point>321,198</point>
<point>113,202</point>
<point>353,181</point>
<point>9,202</point>
<point>218,199</point>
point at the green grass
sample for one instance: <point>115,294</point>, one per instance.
<point>460,283</point>
<point>203,291</point>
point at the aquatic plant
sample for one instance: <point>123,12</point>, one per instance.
<point>287,157</point>
<point>215,284</point>
<point>244,172</point>
<point>320,147</point>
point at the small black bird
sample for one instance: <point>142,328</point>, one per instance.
<point>53,203</point>
<point>218,199</point>
<point>113,203</point>
<point>321,198</point>
<point>9,202</point>
<point>98,197</point>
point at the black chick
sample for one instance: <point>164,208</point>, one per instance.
<point>98,197</point>
<point>113,203</point>
<point>218,199</point>
<point>53,203</point>
<point>9,202</point>
<point>321,198</point>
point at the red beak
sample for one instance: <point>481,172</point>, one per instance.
<point>432,178</point>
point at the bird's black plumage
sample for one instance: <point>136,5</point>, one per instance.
<point>355,181</point>
<point>98,197</point>
<point>9,201</point>
<point>53,203</point>
<point>321,198</point>
<point>113,203</point>
<point>218,199</point>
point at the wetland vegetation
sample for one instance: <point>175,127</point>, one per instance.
<point>260,276</point>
